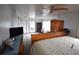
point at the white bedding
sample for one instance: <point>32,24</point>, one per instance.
<point>56,46</point>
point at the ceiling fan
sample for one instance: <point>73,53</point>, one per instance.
<point>56,7</point>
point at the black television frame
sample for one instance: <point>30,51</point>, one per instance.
<point>15,31</point>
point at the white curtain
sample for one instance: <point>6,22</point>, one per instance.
<point>28,25</point>
<point>22,23</point>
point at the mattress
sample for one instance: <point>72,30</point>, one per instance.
<point>64,45</point>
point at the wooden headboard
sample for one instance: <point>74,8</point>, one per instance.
<point>42,36</point>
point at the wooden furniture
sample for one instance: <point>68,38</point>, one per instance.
<point>57,25</point>
<point>21,48</point>
<point>42,36</point>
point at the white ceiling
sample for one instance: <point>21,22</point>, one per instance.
<point>71,8</point>
<point>36,10</point>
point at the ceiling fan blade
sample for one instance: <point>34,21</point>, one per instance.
<point>58,9</point>
<point>58,5</point>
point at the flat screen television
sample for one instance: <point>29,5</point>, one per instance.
<point>15,31</point>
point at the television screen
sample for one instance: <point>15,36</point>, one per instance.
<point>15,31</point>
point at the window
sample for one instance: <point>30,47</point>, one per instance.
<point>32,26</point>
<point>46,26</point>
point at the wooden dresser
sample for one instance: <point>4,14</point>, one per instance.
<point>57,25</point>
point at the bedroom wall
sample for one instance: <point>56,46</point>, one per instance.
<point>24,14</point>
<point>14,20</point>
<point>28,13</point>
<point>70,22</point>
<point>5,21</point>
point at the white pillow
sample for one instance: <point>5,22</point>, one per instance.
<point>9,42</point>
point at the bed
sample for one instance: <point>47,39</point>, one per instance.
<point>63,45</point>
